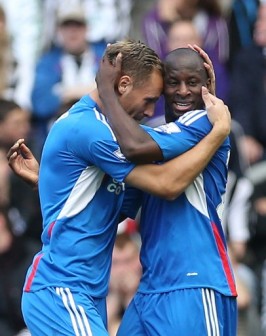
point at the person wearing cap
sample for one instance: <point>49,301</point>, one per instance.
<point>64,73</point>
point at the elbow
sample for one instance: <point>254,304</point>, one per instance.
<point>135,154</point>
<point>171,196</point>
<point>140,151</point>
<point>169,192</point>
<point>171,188</point>
<point>131,154</point>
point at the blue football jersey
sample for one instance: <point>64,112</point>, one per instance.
<point>81,192</point>
<point>183,244</point>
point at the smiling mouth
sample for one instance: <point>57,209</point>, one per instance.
<point>182,106</point>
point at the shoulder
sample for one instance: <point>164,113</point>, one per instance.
<point>195,122</point>
<point>90,121</point>
<point>193,117</point>
<point>151,16</point>
<point>51,55</point>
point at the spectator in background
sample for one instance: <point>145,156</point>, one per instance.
<point>180,33</point>
<point>23,202</point>
<point>125,276</point>
<point>16,253</point>
<point>239,189</point>
<point>241,21</point>
<point>23,25</point>
<point>236,226</point>
<point>14,123</point>
<point>211,25</point>
<point>64,73</point>
<point>107,20</point>
<point>247,104</point>
<point>4,179</point>
<point>248,92</point>
<point>5,55</point>
<point>257,220</point>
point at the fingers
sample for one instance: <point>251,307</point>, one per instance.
<point>210,71</point>
<point>207,97</point>
<point>118,60</point>
<point>210,100</point>
<point>105,58</point>
<point>25,151</point>
<point>202,53</point>
<point>13,151</point>
<point>208,65</point>
<point>191,47</point>
<point>205,57</point>
<point>12,156</point>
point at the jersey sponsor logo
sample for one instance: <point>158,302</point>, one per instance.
<point>116,187</point>
<point>168,128</point>
<point>192,274</point>
<point>119,154</point>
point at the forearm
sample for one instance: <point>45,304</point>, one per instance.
<point>172,178</point>
<point>135,143</point>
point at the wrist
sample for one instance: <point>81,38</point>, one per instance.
<point>33,181</point>
<point>221,129</point>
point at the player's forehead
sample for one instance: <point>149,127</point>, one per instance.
<point>185,64</point>
<point>152,84</point>
<point>189,61</point>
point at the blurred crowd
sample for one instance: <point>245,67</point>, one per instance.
<point>49,55</point>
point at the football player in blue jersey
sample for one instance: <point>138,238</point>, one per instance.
<point>81,186</point>
<point>187,286</point>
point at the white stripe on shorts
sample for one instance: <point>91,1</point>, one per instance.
<point>210,311</point>
<point>77,314</point>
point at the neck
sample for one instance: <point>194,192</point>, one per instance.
<point>95,96</point>
<point>78,52</point>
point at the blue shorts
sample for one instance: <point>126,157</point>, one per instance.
<point>58,311</point>
<point>185,312</point>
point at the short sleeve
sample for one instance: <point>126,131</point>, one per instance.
<point>108,157</point>
<point>178,137</point>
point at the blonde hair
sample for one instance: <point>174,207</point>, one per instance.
<point>138,60</point>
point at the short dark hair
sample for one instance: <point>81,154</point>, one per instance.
<point>186,53</point>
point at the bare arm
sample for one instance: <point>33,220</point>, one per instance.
<point>167,180</point>
<point>135,143</point>
<point>170,179</point>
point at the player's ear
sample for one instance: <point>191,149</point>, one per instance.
<point>124,84</point>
